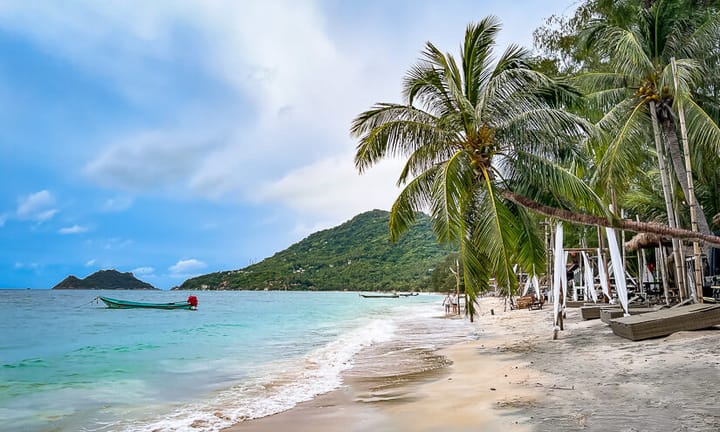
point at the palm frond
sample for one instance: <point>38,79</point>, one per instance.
<point>477,55</point>
<point>703,132</point>
<point>476,270</point>
<point>591,82</point>
<point>539,178</point>
<point>626,139</point>
<point>392,130</point>
<point>451,189</point>
<point>538,125</point>
<point>425,83</point>
<point>428,156</point>
<point>689,74</point>
<point>496,236</point>
<point>530,253</point>
<point>415,197</point>
<point>625,50</point>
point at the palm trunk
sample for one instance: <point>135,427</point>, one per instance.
<point>664,179</point>
<point>683,174</point>
<point>629,225</point>
<point>695,215</point>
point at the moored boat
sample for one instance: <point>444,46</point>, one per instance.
<point>379,295</point>
<point>190,304</point>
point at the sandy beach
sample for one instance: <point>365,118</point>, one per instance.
<point>514,377</point>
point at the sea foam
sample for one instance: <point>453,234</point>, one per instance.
<point>287,383</point>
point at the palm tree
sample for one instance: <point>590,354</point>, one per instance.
<point>479,136</point>
<point>638,96</point>
<point>643,92</point>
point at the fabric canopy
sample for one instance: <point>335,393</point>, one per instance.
<point>589,278</point>
<point>618,269</point>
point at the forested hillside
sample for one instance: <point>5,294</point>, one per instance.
<point>356,255</point>
<point>105,280</point>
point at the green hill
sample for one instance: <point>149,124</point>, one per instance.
<point>356,255</point>
<point>105,280</point>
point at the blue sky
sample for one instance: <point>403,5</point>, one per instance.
<point>180,138</point>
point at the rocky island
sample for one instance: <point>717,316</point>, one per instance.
<point>105,280</point>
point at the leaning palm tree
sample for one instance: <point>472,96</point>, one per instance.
<point>478,135</point>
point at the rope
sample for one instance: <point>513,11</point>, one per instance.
<point>85,304</point>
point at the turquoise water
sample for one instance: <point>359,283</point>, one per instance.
<point>67,363</point>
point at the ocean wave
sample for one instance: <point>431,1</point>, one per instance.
<point>287,383</point>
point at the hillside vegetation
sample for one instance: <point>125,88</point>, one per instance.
<point>105,280</point>
<point>356,255</point>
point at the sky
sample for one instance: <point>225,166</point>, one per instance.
<point>178,138</point>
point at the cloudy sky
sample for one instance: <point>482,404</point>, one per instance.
<point>176,138</point>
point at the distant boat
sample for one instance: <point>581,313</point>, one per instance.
<point>191,304</point>
<point>392,295</point>
<point>407,294</point>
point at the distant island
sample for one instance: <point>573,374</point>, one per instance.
<point>357,255</point>
<point>104,280</point>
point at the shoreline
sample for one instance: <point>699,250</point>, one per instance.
<point>514,377</point>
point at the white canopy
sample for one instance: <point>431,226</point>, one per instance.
<point>589,278</point>
<point>618,269</point>
<point>601,274</point>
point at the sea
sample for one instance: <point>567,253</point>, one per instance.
<point>67,363</point>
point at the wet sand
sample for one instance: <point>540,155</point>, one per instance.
<point>516,378</point>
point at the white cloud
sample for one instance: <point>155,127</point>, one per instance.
<point>143,271</point>
<point>149,159</point>
<point>115,243</point>
<point>75,229</point>
<point>91,263</point>
<point>183,268</point>
<point>117,204</point>
<point>333,188</point>
<point>37,207</point>
<point>30,265</point>
<point>3,219</point>
<point>287,71</point>
<point>293,76</point>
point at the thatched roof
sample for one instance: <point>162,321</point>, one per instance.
<point>716,220</point>
<point>644,241</point>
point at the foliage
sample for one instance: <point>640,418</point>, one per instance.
<point>357,255</point>
<point>634,86</point>
<point>619,52</point>
<point>473,129</point>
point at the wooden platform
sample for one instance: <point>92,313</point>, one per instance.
<point>607,314</point>
<point>574,304</point>
<point>666,321</point>
<point>592,311</point>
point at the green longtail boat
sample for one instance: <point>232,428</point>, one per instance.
<point>190,304</point>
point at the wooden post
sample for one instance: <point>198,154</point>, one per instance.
<point>457,285</point>
<point>661,258</point>
<point>666,194</point>
<point>691,188</point>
